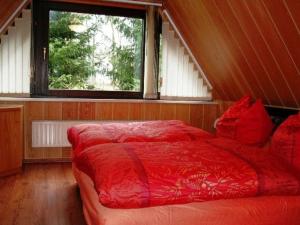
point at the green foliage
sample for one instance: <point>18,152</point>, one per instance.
<point>73,58</point>
<point>70,62</point>
<point>126,60</point>
<point>123,71</point>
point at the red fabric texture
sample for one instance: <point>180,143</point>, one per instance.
<point>249,124</point>
<point>274,176</point>
<point>254,126</point>
<point>85,135</point>
<point>134,175</point>
<point>271,210</point>
<point>286,141</point>
<point>226,125</point>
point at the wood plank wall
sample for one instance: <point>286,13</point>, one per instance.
<point>245,47</point>
<point>199,115</point>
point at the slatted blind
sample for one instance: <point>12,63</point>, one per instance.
<point>180,78</point>
<point>15,57</point>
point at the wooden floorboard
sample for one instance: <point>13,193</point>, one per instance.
<point>44,194</point>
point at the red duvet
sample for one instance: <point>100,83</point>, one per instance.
<point>132,175</point>
<point>85,135</point>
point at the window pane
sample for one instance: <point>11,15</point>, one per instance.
<point>94,52</point>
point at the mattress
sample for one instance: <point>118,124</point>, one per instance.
<point>266,210</point>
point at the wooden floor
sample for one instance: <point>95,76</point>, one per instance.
<point>44,194</point>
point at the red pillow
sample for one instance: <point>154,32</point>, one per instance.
<point>254,126</point>
<point>286,141</point>
<point>226,125</point>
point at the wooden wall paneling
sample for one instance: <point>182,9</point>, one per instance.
<point>26,128</point>
<point>242,66</point>
<point>152,111</point>
<point>249,54</point>
<point>210,115</point>
<point>190,39</point>
<point>54,153</point>
<point>136,111</point>
<point>249,23</point>
<point>70,110</point>
<point>197,115</point>
<point>287,69</point>
<point>34,111</point>
<point>104,111</point>
<point>7,8</point>
<point>293,8</point>
<point>287,29</point>
<point>87,110</point>
<point>53,111</point>
<point>227,46</point>
<point>167,111</point>
<point>258,45</point>
<point>244,47</point>
<point>183,112</point>
<point>222,107</point>
<point>120,111</point>
<point>195,27</point>
<point>66,153</point>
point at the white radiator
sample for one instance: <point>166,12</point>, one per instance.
<point>53,133</point>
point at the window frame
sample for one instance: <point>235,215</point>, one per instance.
<point>39,84</point>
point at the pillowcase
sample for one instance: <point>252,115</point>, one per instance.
<point>286,141</point>
<point>254,126</point>
<point>246,123</point>
<point>226,125</point>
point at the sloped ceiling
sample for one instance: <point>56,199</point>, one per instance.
<point>245,47</point>
<point>7,8</point>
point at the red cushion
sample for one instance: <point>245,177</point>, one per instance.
<point>254,126</point>
<point>226,125</point>
<point>286,141</point>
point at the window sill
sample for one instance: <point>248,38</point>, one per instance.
<point>28,99</point>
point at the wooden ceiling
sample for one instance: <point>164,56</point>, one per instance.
<point>245,47</point>
<point>7,9</point>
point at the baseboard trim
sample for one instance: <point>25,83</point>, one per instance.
<point>54,160</point>
<point>11,172</point>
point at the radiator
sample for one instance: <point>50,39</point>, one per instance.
<point>54,133</point>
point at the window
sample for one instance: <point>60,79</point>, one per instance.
<point>88,51</point>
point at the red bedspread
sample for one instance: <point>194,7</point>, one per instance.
<point>85,135</point>
<point>132,175</point>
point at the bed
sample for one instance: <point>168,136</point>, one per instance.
<point>269,210</point>
<point>276,189</point>
<point>281,205</point>
<point>184,175</point>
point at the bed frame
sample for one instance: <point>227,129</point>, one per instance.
<point>279,114</point>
